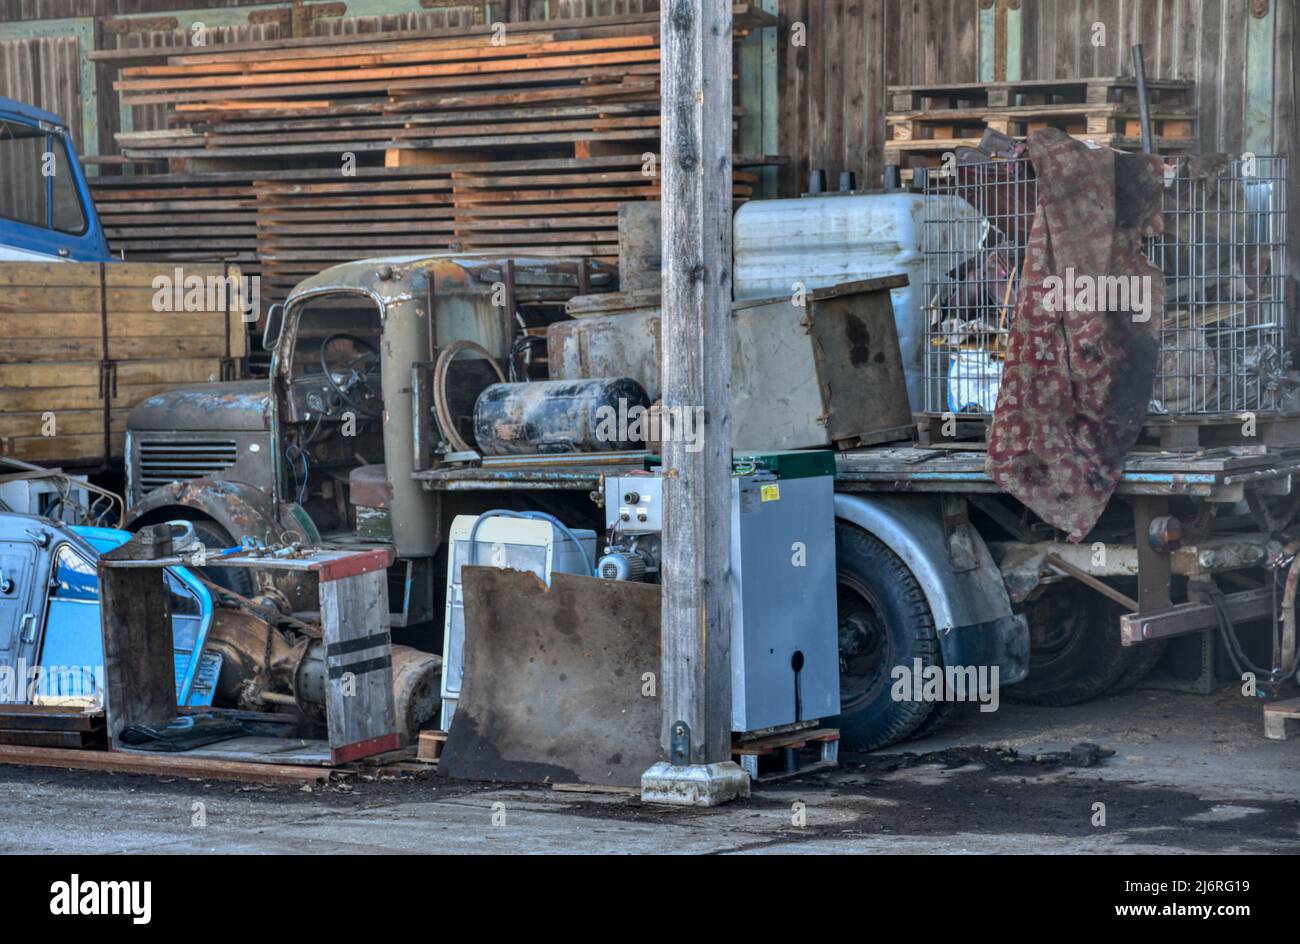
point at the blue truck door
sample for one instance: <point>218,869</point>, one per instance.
<point>18,616</point>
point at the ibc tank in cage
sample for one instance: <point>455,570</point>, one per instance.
<point>827,240</point>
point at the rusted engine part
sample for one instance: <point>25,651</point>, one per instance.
<point>1026,568</point>
<point>559,416</point>
<point>265,668</point>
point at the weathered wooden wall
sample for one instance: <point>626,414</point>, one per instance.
<point>832,112</point>
<point>831,88</point>
<point>46,72</point>
<point>1207,41</point>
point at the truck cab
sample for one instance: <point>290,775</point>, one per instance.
<point>323,451</point>
<point>46,211</point>
<point>51,650</point>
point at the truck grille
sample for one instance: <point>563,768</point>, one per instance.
<point>164,462</point>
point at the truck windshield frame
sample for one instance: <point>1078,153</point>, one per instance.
<point>62,175</point>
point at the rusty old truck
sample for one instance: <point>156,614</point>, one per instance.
<point>359,437</point>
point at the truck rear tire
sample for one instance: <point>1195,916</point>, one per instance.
<point>1145,657</point>
<point>884,622</point>
<point>1074,649</point>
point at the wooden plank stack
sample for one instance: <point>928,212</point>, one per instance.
<point>468,93</point>
<point>183,217</point>
<point>557,207</point>
<point>81,343</point>
<point>925,121</point>
<point>51,726</point>
<point>294,154</point>
<point>310,222</point>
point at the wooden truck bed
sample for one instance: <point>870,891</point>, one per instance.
<point>83,342</point>
<point>1220,473</point>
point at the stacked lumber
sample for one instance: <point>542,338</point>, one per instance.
<point>183,217</point>
<point>468,93</point>
<point>925,121</point>
<point>51,726</point>
<point>310,222</point>
<point>81,343</point>
<point>543,207</point>
<point>557,207</point>
<point>291,155</point>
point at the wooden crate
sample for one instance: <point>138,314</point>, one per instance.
<point>84,342</point>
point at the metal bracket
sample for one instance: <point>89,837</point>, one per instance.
<point>680,742</point>
<point>957,526</point>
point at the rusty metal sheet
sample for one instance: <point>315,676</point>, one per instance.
<point>554,680</point>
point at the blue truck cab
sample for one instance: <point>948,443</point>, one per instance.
<point>51,647</point>
<point>46,211</point>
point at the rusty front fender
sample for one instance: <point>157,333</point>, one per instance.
<point>241,511</point>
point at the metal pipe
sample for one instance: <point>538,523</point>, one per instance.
<point>1144,107</point>
<point>1088,580</point>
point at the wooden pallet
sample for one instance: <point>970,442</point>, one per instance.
<point>1171,124</point>
<point>927,121</point>
<point>1096,90</point>
<point>930,153</point>
<point>1210,430</point>
<point>51,726</point>
<point>760,755</point>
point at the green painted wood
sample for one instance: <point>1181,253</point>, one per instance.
<point>771,99</point>
<point>83,28</point>
<point>1258,130</point>
<point>1013,44</point>
<point>988,28</point>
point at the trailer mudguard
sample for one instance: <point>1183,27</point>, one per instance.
<point>962,584</point>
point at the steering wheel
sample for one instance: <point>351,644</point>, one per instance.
<point>355,390</point>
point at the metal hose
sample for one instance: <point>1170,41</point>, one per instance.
<point>440,409</point>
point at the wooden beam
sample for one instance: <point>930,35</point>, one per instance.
<point>696,167</point>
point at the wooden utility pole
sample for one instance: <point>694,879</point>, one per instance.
<point>696,376</point>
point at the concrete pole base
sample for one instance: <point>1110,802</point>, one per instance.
<point>694,784</point>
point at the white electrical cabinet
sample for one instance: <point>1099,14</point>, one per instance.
<point>49,496</point>
<point>534,545</point>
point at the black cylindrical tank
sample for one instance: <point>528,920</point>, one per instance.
<point>557,416</point>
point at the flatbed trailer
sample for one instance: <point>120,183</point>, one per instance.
<point>1207,514</point>
<point>1219,475</point>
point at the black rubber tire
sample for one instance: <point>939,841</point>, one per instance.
<point>215,538</point>
<point>1144,659</point>
<point>941,713</point>
<point>1084,658</point>
<point>898,620</point>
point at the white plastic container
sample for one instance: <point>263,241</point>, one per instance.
<point>827,240</point>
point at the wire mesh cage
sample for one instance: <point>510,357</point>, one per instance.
<point>1222,335</point>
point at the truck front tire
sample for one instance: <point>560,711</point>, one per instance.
<point>885,622</point>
